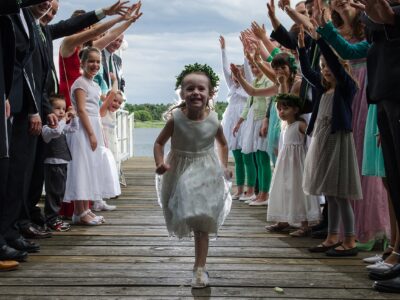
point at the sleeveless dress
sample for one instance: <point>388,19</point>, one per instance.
<point>193,193</point>
<point>287,201</point>
<point>69,68</point>
<point>92,175</point>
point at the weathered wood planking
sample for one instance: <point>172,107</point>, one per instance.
<point>131,257</point>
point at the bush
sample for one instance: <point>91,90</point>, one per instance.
<point>143,115</point>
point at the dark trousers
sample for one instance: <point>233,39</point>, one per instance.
<point>22,156</point>
<point>389,129</point>
<point>55,178</point>
<point>32,213</point>
<point>3,188</point>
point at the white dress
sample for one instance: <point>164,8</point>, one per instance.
<point>92,175</point>
<point>109,122</point>
<point>193,193</point>
<point>287,201</point>
<point>237,98</point>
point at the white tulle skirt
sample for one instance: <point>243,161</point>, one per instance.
<point>92,175</point>
<point>251,139</point>
<point>193,193</point>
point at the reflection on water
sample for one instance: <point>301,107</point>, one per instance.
<point>143,141</point>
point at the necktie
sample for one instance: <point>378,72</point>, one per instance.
<point>110,64</point>
<point>40,33</point>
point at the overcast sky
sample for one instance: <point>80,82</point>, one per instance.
<point>172,33</point>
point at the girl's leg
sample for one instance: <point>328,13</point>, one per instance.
<point>239,170</point>
<point>333,222</point>
<point>201,249</point>
<point>264,174</point>
<point>394,234</point>
<point>250,172</point>
<point>347,214</point>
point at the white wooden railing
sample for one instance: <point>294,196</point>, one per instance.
<point>125,127</point>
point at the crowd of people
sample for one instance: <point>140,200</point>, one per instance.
<point>57,130</point>
<point>312,118</point>
<point>329,129</point>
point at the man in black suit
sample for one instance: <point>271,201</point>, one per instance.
<point>12,63</point>
<point>46,85</point>
<point>113,63</point>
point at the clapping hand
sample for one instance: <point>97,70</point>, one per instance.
<point>118,8</point>
<point>271,9</point>
<point>379,11</point>
<point>162,168</point>
<point>235,71</point>
<point>283,3</point>
<point>222,41</point>
<point>258,31</point>
<point>300,38</point>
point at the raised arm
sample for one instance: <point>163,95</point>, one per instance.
<point>345,49</point>
<point>336,67</point>
<point>312,76</point>
<point>69,43</point>
<point>225,64</point>
<point>110,36</point>
<point>110,97</point>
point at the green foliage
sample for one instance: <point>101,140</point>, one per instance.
<point>143,115</point>
<point>206,69</point>
<point>148,112</point>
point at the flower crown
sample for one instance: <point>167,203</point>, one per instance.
<point>198,68</point>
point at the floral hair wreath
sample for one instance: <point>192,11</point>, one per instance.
<point>198,68</point>
<point>296,100</point>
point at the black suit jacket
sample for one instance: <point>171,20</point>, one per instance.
<point>59,30</point>
<point>118,70</point>
<point>7,56</point>
<point>22,95</point>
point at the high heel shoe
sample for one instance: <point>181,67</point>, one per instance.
<point>77,220</point>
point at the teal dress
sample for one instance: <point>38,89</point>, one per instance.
<point>274,132</point>
<point>372,164</point>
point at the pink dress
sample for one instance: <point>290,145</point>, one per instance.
<point>371,214</point>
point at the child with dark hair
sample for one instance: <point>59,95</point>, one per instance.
<point>57,157</point>
<point>288,205</point>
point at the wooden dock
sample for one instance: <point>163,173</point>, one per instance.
<point>131,257</point>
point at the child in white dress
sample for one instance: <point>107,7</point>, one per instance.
<point>288,204</point>
<point>193,190</point>
<point>237,98</point>
<point>92,174</point>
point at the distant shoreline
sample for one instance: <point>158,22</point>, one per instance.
<point>149,124</point>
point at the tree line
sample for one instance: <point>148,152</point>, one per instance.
<point>154,112</point>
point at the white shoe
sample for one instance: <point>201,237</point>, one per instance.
<point>379,267</point>
<point>258,203</point>
<point>246,198</point>
<point>200,278</point>
<point>373,259</point>
<point>237,196</point>
<point>103,206</point>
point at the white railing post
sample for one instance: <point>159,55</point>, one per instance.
<point>125,130</point>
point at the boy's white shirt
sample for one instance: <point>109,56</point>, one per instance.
<point>52,133</point>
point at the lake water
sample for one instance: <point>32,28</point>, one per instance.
<point>143,141</point>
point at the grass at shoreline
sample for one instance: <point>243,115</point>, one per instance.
<point>149,124</point>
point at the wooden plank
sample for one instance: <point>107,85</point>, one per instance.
<point>131,256</point>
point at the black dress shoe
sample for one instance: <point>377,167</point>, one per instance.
<point>32,232</point>
<point>24,245</point>
<point>388,286</point>
<point>389,274</point>
<point>8,253</point>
